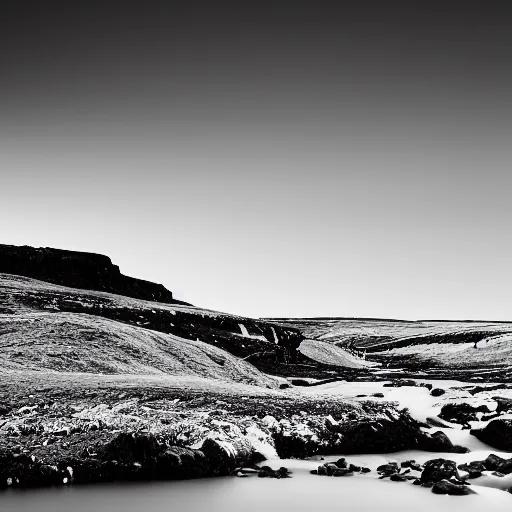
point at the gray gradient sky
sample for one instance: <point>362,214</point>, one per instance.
<point>268,158</point>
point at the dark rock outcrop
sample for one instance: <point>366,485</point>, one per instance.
<point>83,270</point>
<point>437,392</point>
<point>436,470</point>
<point>268,472</point>
<point>504,404</point>
<point>462,413</point>
<point>451,488</point>
<point>491,463</point>
<point>128,457</point>
<point>439,442</point>
<point>497,433</point>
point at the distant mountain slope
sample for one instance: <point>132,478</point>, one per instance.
<point>426,345</point>
<point>78,270</point>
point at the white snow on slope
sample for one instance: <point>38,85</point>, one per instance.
<point>328,353</point>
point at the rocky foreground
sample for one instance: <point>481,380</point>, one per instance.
<point>59,436</point>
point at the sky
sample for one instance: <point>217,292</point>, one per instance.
<point>306,158</point>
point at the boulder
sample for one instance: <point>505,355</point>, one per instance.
<point>342,472</point>
<point>497,433</point>
<point>436,470</point>
<point>268,472</point>
<point>493,462</point>
<point>462,413</point>
<point>330,468</point>
<point>437,392</point>
<point>451,488</point>
<point>412,464</point>
<point>504,404</point>
<point>439,442</point>
<point>225,456</point>
<point>388,469</point>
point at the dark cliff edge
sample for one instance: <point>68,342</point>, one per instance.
<point>84,270</point>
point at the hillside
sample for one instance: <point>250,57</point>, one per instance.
<point>78,343</point>
<point>473,349</point>
<point>267,346</point>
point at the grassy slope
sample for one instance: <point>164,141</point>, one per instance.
<point>72,342</point>
<point>50,328</point>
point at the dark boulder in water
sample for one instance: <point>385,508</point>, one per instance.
<point>497,433</point>
<point>451,488</point>
<point>462,413</point>
<point>436,470</point>
<point>437,392</point>
<point>388,469</point>
<point>439,442</point>
<point>268,472</point>
<point>504,404</point>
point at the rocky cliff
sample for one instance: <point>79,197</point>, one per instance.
<point>78,270</point>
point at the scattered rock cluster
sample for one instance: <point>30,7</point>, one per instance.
<point>339,468</point>
<point>495,463</point>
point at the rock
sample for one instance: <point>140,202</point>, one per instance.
<point>129,448</point>
<point>365,470</point>
<point>388,469</point>
<point>342,472</point>
<point>477,465</point>
<point>24,471</point>
<point>437,392</point>
<point>439,442</point>
<point>397,478</point>
<point>353,467</point>
<point>378,395</point>
<point>268,472</point>
<point>282,472</point>
<point>497,433</point>
<point>341,463</point>
<point>504,404</point>
<point>492,462</point>
<point>408,463</point>
<point>462,413</point>
<point>436,470</point>
<point>224,456</point>
<point>400,383</point>
<point>505,467</point>
<point>450,488</point>
<point>314,472</point>
<point>330,468</point>
<point>399,432</point>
